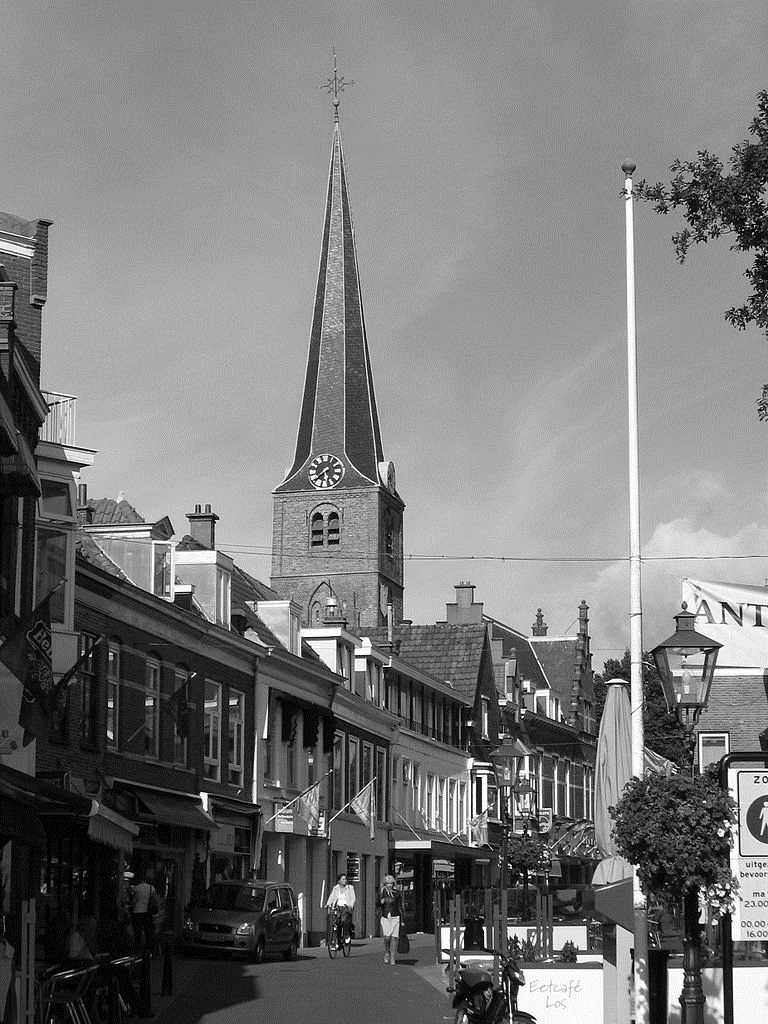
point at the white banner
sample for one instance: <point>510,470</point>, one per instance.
<point>737,617</point>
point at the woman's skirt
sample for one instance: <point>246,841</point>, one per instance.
<point>390,927</point>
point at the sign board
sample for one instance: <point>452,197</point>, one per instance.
<point>545,819</point>
<point>284,820</point>
<point>353,868</point>
<point>223,839</point>
<point>320,830</point>
<point>749,856</point>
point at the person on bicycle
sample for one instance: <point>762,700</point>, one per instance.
<point>343,899</point>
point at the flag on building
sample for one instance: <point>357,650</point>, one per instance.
<point>309,806</point>
<point>364,806</point>
<point>478,829</point>
<point>26,652</point>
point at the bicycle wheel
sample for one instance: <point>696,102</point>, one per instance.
<point>331,938</point>
<point>347,947</point>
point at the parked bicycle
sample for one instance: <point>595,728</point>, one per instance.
<point>335,934</point>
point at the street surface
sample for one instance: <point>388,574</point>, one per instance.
<point>358,990</point>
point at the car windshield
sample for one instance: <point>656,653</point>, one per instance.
<point>236,897</point>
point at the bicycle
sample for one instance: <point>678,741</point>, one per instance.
<point>333,936</point>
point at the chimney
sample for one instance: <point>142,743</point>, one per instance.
<point>202,526</point>
<point>465,609</point>
<point>583,618</point>
<point>539,628</point>
<point>84,510</point>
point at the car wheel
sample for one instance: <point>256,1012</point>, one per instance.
<point>258,950</point>
<point>293,950</point>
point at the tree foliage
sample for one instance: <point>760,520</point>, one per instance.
<point>663,733</point>
<point>716,202</point>
<point>676,829</point>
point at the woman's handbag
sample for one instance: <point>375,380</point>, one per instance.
<point>403,942</point>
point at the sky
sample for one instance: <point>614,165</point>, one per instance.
<point>182,151</point>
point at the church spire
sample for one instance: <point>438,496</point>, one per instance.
<point>338,412</point>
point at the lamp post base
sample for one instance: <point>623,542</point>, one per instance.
<point>692,997</point>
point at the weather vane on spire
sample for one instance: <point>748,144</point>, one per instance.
<point>335,85</point>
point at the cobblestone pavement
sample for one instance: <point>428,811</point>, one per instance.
<point>358,990</point>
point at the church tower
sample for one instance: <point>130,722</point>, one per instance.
<point>338,519</point>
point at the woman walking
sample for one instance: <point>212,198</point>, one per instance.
<point>391,913</point>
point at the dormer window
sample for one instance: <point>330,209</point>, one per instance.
<point>223,595</point>
<point>161,569</point>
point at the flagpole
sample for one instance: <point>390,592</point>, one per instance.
<point>296,798</point>
<point>635,588</point>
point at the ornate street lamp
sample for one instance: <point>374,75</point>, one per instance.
<point>686,664</point>
<point>525,805</point>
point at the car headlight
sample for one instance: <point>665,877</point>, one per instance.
<point>244,929</point>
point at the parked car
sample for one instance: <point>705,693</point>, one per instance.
<point>252,918</point>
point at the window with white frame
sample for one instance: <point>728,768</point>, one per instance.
<point>113,695</point>
<point>212,731</point>
<point>54,531</point>
<point>712,746</point>
<point>236,745</point>
<point>88,693</point>
<point>152,710</point>
<point>461,810</point>
<point>367,764</point>
<point>416,790</point>
<point>181,716</point>
<point>353,766</point>
<point>452,806</point>
<point>162,569</point>
<point>338,770</point>
<point>484,711</point>
<point>442,822</point>
<point>430,801</point>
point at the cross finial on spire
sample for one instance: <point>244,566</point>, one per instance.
<point>335,86</point>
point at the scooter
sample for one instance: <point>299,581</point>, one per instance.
<point>476,1001</point>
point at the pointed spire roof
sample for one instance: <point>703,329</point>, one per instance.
<point>338,411</point>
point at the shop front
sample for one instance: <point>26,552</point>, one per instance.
<point>432,872</point>
<point>173,831</point>
<point>232,848</point>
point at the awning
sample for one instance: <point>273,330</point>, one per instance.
<point>235,806</point>
<point>168,809</point>
<point>442,848</point>
<point>18,821</point>
<point>110,828</point>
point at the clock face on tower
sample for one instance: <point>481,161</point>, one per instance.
<point>325,471</point>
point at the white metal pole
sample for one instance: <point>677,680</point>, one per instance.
<point>635,601</point>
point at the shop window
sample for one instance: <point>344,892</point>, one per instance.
<point>236,745</point>
<point>152,710</point>
<point>212,731</point>
<point>113,695</point>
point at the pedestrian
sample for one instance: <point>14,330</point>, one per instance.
<point>144,906</point>
<point>390,911</point>
<point>343,898</point>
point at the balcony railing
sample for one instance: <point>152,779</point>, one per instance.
<point>59,426</point>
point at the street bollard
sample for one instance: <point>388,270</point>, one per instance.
<point>166,987</point>
<point>145,985</point>
<point>114,1010</point>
